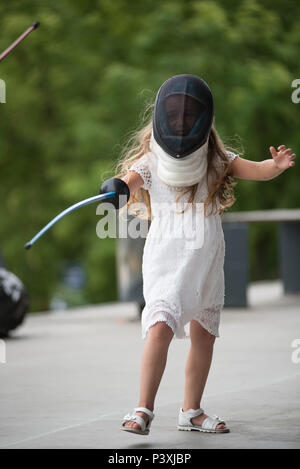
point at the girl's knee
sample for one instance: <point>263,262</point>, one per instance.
<point>200,335</point>
<point>161,330</point>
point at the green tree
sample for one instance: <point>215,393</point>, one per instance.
<point>76,87</point>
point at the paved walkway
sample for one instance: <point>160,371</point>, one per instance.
<point>70,377</point>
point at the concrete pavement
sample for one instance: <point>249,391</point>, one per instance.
<point>71,376</point>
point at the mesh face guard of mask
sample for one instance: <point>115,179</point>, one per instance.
<point>183,115</point>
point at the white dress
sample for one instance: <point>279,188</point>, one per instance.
<point>180,283</point>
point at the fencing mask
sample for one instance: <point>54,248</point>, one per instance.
<point>182,120</point>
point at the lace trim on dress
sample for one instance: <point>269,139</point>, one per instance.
<point>231,155</point>
<point>141,167</point>
<point>209,318</point>
<point>164,311</point>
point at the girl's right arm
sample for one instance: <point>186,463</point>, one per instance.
<point>133,180</point>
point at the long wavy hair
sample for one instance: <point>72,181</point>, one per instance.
<point>220,182</point>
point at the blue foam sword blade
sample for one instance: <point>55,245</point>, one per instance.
<point>90,200</point>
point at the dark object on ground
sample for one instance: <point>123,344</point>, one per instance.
<point>14,302</point>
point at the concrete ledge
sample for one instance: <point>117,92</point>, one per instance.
<point>276,215</point>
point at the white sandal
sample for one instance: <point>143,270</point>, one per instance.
<point>145,427</point>
<point>208,425</point>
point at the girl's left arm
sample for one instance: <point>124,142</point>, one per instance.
<point>266,169</point>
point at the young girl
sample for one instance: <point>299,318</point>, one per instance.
<point>180,157</point>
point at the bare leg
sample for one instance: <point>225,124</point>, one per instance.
<point>154,360</point>
<point>197,369</point>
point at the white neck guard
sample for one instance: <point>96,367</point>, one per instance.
<point>180,172</point>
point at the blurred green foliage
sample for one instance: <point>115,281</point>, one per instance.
<point>76,87</point>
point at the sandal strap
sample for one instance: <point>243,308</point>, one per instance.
<point>135,418</point>
<point>211,423</point>
<point>191,413</point>
<point>186,417</point>
<point>146,411</point>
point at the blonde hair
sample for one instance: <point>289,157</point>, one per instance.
<point>220,182</point>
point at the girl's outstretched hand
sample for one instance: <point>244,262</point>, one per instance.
<point>283,158</point>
